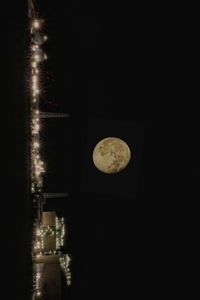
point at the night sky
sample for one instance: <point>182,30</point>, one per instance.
<point>118,71</point>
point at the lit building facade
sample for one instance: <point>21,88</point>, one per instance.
<point>49,260</point>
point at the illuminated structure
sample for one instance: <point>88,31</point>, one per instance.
<point>50,262</point>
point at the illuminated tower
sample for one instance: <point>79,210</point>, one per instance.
<point>50,262</point>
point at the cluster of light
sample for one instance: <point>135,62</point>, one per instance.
<point>58,231</point>
<point>37,280</point>
<point>58,243</point>
<point>47,230</point>
<point>36,24</point>
<point>38,232</point>
<point>32,188</point>
<point>38,293</point>
<point>37,245</point>
<point>36,145</point>
<point>50,252</point>
<point>39,167</point>
<point>63,230</point>
<point>65,265</point>
<point>58,223</point>
<point>62,235</point>
<point>38,255</point>
<point>36,57</point>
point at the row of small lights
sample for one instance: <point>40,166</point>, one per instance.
<point>46,230</point>
<point>65,263</point>
<point>37,56</point>
<point>37,288</point>
<point>37,165</point>
<point>37,285</point>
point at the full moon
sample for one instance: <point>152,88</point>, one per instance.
<point>111,155</point>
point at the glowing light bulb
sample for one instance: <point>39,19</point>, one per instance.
<point>34,64</point>
<point>38,293</point>
<point>36,24</point>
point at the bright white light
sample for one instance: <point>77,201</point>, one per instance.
<point>68,258</point>
<point>36,24</point>
<point>38,232</point>
<point>36,145</point>
<point>34,64</point>
<point>33,48</point>
<point>37,127</point>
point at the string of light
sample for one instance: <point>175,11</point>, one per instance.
<point>37,57</point>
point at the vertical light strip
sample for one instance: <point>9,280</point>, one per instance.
<point>37,56</point>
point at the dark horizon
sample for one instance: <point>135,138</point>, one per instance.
<point>129,234</point>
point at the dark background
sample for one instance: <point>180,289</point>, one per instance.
<point>117,71</point>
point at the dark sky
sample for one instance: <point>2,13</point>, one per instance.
<point>117,71</point>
